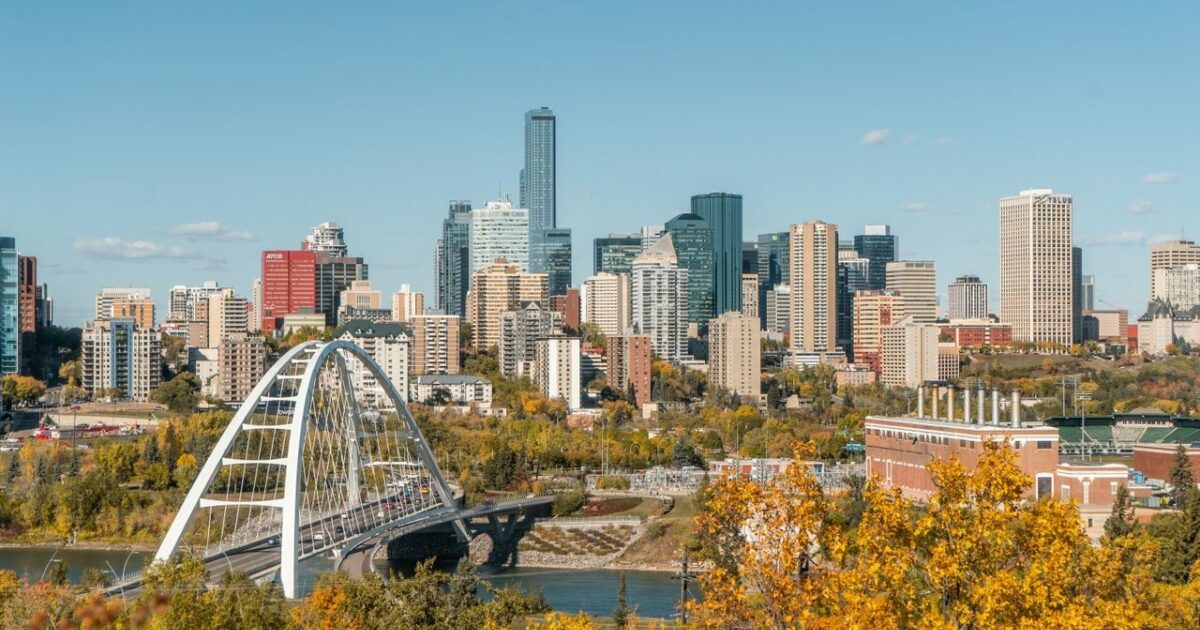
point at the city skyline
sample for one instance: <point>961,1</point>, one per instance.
<point>174,192</point>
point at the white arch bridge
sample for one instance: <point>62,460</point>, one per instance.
<point>322,458</point>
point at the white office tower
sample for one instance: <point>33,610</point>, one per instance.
<point>916,280</point>
<point>910,354</point>
<point>1170,255</point>
<point>606,302</point>
<point>1178,286</point>
<point>814,252</point>
<point>499,231</point>
<point>182,300</point>
<point>650,235</point>
<point>659,289</point>
<point>329,238</point>
<point>390,345</point>
<point>106,297</point>
<point>779,304</point>
<point>557,370</point>
<point>1036,269</point>
<point>407,304</point>
<point>734,355</point>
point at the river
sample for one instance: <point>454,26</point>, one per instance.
<point>593,591</point>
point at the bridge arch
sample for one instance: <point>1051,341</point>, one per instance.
<point>309,463</point>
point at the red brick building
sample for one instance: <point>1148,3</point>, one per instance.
<point>568,306</point>
<point>973,335</point>
<point>289,283</point>
<point>1154,460</point>
<point>27,295</point>
<point>899,451</point>
<point>629,362</point>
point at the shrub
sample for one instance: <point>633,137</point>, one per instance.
<point>611,482</point>
<point>569,502</point>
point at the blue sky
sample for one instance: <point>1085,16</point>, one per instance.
<point>120,122</point>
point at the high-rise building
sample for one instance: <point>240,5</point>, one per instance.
<point>723,212</point>
<point>1178,286</point>
<point>569,305</point>
<point>1170,255</point>
<point>139,309</point>
<point>1076,294</point>
<point>606,302</point>
<point>750,294</point>
<point>539,178</point>
<point>880,246</point>
<point>557,370</point>
<point>497,288</point>
<point>779,309</point>
<point>1089,293</point>
<point>968,297</point>
<point>360,295</point>
<point>452,260</point>
<point>813,259</point>
<point>692,242</point>
<point>10,306</point>
<point>228,315</point>
<point>241,363</point>
<point>659,297</point>
<point>107,296</point>
<point>519,328</point>
<point>853,276</point>
<point>27,295</point>
<point>615,253</point>
<point>435,344</point>
<point>910,354</point>
<point>45,306</point>
<point>734,355</point>
<point>289,283</point>
<point>773,268</point>
<point>550,253</point>
<point>335,274</point>
<point>499,231</point>
<point>256,296</point>
<point>120,360</point>
<point>389,344</point>
<point>650,235</point>
<point>749,258</point>
<point>1036,266</point>
<point>874,311</point>
<point>327,238</point>
<point>916,280</point>
<point>629,366</point>
<point>407,304</point>
<point>182,300</point>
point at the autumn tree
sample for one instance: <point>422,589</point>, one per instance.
<point>23,389</point>
<point>179,393</point>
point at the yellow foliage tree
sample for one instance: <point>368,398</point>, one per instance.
<point>978,554</point>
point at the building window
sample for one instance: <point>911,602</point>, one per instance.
<point>962,443</point>
<point>1043,444</point>
<point>1065,492</point>
<point>1045,485</point>
<point>1113,488</point>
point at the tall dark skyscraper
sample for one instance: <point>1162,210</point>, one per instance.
<point>615,253</point>
<point>772,253</point>
<point>692,238</point>
<point>539,192</point>
<point>723,212</point>
<point>879,245</point>
<point>452,260</point>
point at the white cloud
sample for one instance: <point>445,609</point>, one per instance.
<point>1124,237</point>
<point>1165,177</point>
<point>210,230</point>
<point>914,206</point>
<point>875,136</point>
<point>113,248</point>
<point>1140,206</point>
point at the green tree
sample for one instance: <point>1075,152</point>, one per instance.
<point>1121,521</point>
<point>179,393</point>
<point>23,389</point>
<point>622,613</point>
<point>1181,478</point>
<point>14,469</point>
<point>684,455</point>
<point>58,573</point>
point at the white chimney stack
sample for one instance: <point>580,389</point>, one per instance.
<point>1016,409</point>
<point>920,401</point>
<point>979,406</point>
<point>995,406</point>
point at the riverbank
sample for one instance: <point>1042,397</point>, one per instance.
<point>86,545</point>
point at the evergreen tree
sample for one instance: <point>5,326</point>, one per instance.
<point>1181,477</point>
<point>150,454</point>
<point>621,614</point>
<point>14,469</point>
<point>631,393</point>
<point>1121,521</point>
<point>170,447</point>
<point>1178,534</point>
<point>463,590</point>
<point>74,472</point>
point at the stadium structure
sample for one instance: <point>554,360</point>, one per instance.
<point>1119,433</point>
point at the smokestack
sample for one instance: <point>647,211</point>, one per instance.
<point>967,404</point>
<point>1016,409</point>
<point>920,401</point>
<point>995,406</point>
<point>937,393</point>
<point>979,406</point>
<point>950,404</point>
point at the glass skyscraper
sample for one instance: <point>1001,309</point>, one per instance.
<point>877,244</point>
<point>615,253</point>
<point>10,317</point>
<point>552,254</point>
<point>539,193</point>
<point>772,253</point>
<point>723,212</point>
<point>452,261</point>
<point>852,276</point>
<point>692,239</point>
